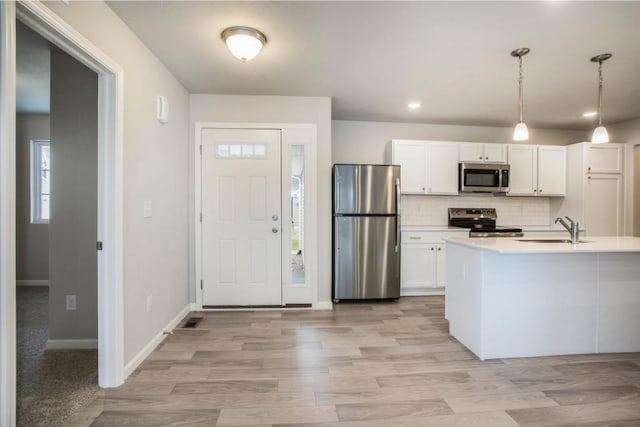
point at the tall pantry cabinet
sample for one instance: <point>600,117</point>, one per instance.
<point>595,188</point>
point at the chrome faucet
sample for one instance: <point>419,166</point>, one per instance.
<point>573,229</point>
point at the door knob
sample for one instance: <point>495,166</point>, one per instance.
<point>274,230</point>
<point>274,217</point>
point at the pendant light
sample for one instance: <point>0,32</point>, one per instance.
<point>244,43</point>
<point>600,134</point>
<point>520,132</point>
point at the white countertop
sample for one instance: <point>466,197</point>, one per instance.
<point>507,245</point>
<point>525,228</point>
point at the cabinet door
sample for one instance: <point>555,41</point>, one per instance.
<point>523,179</point>
<point>443,168</point>
<point>471,152</point>
<point>605,158</point>
<point>441,266</point>
<point>495,153</point>
<point>603,205</point>
<point>412,158</point>
<point>418,266</point>
<point>552,171</point>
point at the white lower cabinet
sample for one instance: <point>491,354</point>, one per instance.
<point>423,262</point>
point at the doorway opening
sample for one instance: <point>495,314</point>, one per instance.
<point>56,228</point>
<point>109,194</point>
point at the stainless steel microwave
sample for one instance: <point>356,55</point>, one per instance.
<point>483,178</point>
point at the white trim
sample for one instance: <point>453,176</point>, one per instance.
<point>323,305</point>
<point>110,181</point>
<point>151,345</point>
<point>80,344</point>
<point>417,292</point>
<point>32,283</point>
<point>7,214</point>
<point>311,260</point>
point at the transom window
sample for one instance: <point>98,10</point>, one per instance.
<point>242,151</point>
<point>40,181</point>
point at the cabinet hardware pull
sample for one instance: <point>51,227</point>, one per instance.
<point>431,248</point>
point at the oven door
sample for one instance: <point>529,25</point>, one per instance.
<point>481,177</point>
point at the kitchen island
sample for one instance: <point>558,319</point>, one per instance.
<point>510,297</point>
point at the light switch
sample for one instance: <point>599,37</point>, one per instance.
<point>148,209</point>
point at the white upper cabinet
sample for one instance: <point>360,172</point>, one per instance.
<point>537,170</point>
<point>603,158</point>
<point>495,153</point>
<point>443,168</point>
<point>426,167</point>
<point>412,158</point>
<point>552,170</point>
<point>523,161</point>
<point>483,153</point>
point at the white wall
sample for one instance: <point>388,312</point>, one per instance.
<point>156,169</point>
<point>73,226</point>
<point>276,109</point>
<point>365,142</point>
<point>32,240</point>
<point>629,133</point>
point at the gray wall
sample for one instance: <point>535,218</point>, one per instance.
<point>366,142</point>
<point>74,187</point>
<point>277,109</point>
<point>156,168</point>
<point>32,240</point>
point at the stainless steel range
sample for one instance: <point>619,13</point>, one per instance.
<point>481,222</point>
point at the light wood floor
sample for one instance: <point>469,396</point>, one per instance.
<point>361,365</point>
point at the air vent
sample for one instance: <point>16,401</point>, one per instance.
<point>192,322</point>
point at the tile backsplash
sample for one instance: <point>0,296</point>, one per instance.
<point>432,210</point>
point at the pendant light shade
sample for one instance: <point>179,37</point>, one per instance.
<point>520,133</point>
<point>600,134</point>
<point>244,43</point>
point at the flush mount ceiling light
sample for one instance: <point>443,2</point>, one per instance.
<point>600,134</point>
<point>520,132</point>
<point>414,105</point>
<point>244,42</point>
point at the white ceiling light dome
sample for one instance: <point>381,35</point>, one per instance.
<point>244,43</point>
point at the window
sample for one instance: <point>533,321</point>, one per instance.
<point>40,181</point>
<point>242,151</point>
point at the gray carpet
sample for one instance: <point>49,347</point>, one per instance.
<point>51,384</point>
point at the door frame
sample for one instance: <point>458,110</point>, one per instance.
<point>289,292</point>
<point>110,194</point>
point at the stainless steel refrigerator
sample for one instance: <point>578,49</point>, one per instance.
<point>366,232</point>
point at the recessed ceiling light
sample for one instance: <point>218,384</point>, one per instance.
<point>414,105</point>
<point>590,114</point>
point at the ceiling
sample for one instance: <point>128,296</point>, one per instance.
<point>372,58</point>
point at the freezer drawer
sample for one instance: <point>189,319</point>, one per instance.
<point>366,257</point>
<point>366,189</point>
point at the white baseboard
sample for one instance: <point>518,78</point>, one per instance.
<point>81,344</point>
<point>32,283</point>
<point>323,305</point>
<point>416,292</point>
<point>148,349</point>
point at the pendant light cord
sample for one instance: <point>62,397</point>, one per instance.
<point>520,94</point>
<point>600,93</point>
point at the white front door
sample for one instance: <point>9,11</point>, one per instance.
<point>241,217</point>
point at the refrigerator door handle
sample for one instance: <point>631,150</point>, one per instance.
<point>397,214</point>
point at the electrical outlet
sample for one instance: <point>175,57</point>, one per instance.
<point>149,303</point>
<point>71,302</point>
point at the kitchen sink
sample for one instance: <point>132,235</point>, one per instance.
<point>550,240</point>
